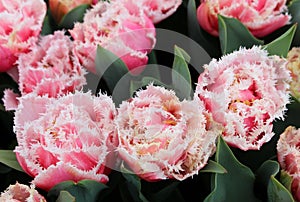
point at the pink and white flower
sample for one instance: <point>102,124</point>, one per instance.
<point>245,91</point>
<point>293,58</point>
<point>20,192</point>
<point>59,8</point>
<point>111,26</point>
<point>156,10</point>
<point>288,153</point>
<point>65,138</point>
<point>261,17</point>
<point>161,137</point>
<point>20,25</point>
<point>50,68</point>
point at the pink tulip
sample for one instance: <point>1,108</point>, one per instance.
<point>161,137</point>
<point>20,25</point>
<point>59,8</point>
<point>64,138</point>
<point>156,10</point>
<point>245,91</point>
<point>50,68</point>
<point>20,192</point>
<point>261,17</point>
<point>293,58</point>
<point>110,25</point>
<point>288,153</point>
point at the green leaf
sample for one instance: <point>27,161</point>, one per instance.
<point>277,192</point>
<point>233,34</point>
<point>213,167</point>
<point>131,188</point>
<point>293,9</point>
<point>281,45</point>
<point>85,190</point>
<point>181,77</point>
<point>75,15</point>
<point>65,196</point>
<point>237,183</point>
<point>286,179</point>
<point>46,29</point>
<point>265,177</point>
<point>8,157</point>
<point>111,70</point>
<point>208,42</point>
<point>265,171</point>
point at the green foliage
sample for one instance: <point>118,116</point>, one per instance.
<point>293,9</point>
<point>235,185</point>
<point>273,189</point>
<point>213,167</point>
<point>65,196</point>
<point>181,77</point>
<point>233,34</point>
<point>82,191</point>
<point>75,15</point>
<point>8,158</point>
<point>281,45</point>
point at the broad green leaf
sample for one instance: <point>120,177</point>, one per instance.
<point>65,196</point>
<point>281,45</point>
<point>75,15</point>
<point>235,185</point>
<point>265,171</point>
<point>293,9</point>
<point>233,34</point>
<point>213,167</point>
<point>131,188</point>
<point>111,70</point>
<point>286,180</point>
<point>181,78</point>
<point>277,192</point>
<point>46,29</point>
<point>267,183</point>
<point>85,190</point>
<point>8,157</point>
<point>208,42</point>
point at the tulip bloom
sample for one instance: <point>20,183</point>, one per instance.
<point>161,137</point>
<point>245,91</point>
<point>288,153</point>
<point>20,192</point>
<point>59,8</point>
<point>20,25</point>
<point>156,10</point>
<point>110,25</point>
<point>293,58</point>
<point>67,138</point>
<point>261,17</point>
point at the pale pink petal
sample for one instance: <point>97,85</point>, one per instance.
<point>10,100</point>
